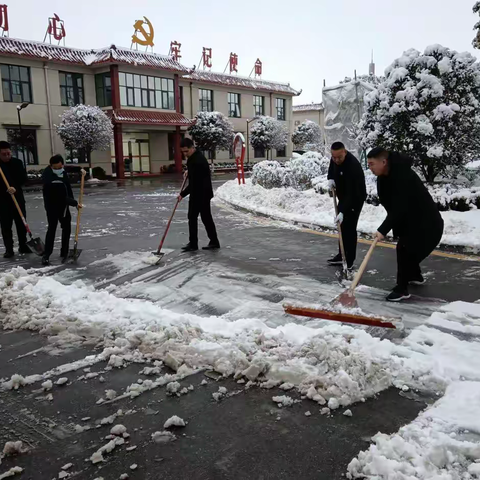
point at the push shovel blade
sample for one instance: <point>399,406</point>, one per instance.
<point>159,256</point>
<point>73,255</point>
<point>346,299</point>
<point>36,246</point>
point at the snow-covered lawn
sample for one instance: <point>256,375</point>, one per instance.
<point>332,365</point>
<point>310,208</point>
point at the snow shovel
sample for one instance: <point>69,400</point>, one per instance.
<point>159,253</point>
<point>35,244</point>
<point>75,253</point>
<point>344,308</point>
<point>340,237</point>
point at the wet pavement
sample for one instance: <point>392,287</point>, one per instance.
<point>262,264</point>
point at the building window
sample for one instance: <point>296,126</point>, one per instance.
<point>24,148</point>
<point>280,104</point>
<point>74,156</point>
<point>258,105</point>
<point>234,105</point>
<point>182,106</point>
<point>71,88</point>
<point>148,92</point>
<point>281,153</point>
<point>103,87</point>
<point>205,98</point>
<point>259,153</point>
<point>16,84</point>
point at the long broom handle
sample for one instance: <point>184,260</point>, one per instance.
<point>340,236</point>
<point>171,216</point>
<point>16,203</point>
<point>363,266</point>
<point>80,200</point>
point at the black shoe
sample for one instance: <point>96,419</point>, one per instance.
<point>24,249</point>
<point>45,261</point>
<point>336,260</point>
<point>397,295</point>
<point>190,248</point>
<point>212,246</point>
<point>418,280</point>
<point>8,255</point>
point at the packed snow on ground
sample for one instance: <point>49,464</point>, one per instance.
<point>311,208</point>
<point>332,364</point>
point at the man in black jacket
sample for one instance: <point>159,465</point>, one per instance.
<point>411,214</point>
<point>57,197</point>
<point>345,175</point>
<point>17,176</point>
<point>201,192</point>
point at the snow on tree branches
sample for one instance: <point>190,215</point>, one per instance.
<point>212,131</point>
<point>476,40</point>
<point>308,136</point>
<point>268,133</point>
<point>85,127</point>
<point>428,107</point>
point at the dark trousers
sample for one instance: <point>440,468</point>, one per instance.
<point>349,234</point>
<point>412,249</point>
<point>200,207</point>
<point>54,218</point>
<point>7,217</point>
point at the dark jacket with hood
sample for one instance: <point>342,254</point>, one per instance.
<point>57,193</point>
<point>17,177</point>
<point>199,179</point>
<point>410,207</point>
<point>349,184</point>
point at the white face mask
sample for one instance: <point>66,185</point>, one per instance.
<point>58,172</point>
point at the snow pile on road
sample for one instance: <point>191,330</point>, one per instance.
<point>442,443</point>
<point>311,208</point>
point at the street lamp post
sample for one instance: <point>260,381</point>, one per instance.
<point>19,109</point>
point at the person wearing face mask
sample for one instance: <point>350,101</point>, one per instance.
<point>57,197</point>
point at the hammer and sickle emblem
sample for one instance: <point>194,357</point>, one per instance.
<point>147,37</point>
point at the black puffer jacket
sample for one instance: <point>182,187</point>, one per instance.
<point>199,179</point>
<point>17,177</point>
<point>349,183</point>
<point>410,207</point>
<point>57,192</point>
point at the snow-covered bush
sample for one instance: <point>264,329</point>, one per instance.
<point>268,174</point>
<point>302,170</point>
<point>429,108</point>
<point>212,131</point>
<point>85,127</point>
<point>308,136</point>
<point>267,133</point>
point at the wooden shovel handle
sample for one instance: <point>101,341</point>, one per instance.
<point>80,200</point>
<point>15,201</point>
<point>363,266</point>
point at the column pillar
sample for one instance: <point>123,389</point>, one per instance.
<point>178,153</point>
<point>118,146</point>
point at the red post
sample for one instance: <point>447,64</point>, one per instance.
<point>178,153</point>
<point>118,144</point>
<point>176,84</point>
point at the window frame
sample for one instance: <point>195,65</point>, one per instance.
<point>77,93</point>
<point>259,152</point>
<point>102,88</point>
<point>281,108</point>
<point>146,91</point>
<point>15,131</point>
<point>279,151</point>
<point>256,105</point>
<point>232,113</point>
<point>7,83</point>
<point>205,102</point>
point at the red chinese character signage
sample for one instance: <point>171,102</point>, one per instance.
<point>258,68</point>
<point>4,19</point>
<point>207,57</point>
<point>56,29</point>
<point>233,62</point>
<point>175,50</point>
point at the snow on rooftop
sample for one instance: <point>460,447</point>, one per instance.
<point>308,107</point>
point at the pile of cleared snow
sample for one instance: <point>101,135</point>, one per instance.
<point>311,208</point>
<point>442,443</point>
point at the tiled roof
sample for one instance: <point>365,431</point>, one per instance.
<point>308,107</point>
<point>243,82</point>
<point>143,117</point>
<point>112,54</point>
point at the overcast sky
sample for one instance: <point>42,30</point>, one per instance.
<point>300,42</point>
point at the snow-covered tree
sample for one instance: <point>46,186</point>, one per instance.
<point>428,107</point>
<point>268,133</point>
<point>212,131</point>
<point>476,40</point>
<point>372,79</point>
<point>308,136</point>
<point>85,127</point>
